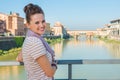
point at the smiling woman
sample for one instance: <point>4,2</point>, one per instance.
<point>37,55</point>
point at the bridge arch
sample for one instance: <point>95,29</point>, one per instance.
<point>77,33</point>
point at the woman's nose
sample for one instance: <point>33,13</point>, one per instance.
<point>41,25</point>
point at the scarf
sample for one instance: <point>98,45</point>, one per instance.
<point>48,48</point>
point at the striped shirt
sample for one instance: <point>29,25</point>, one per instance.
<point>32,49</point>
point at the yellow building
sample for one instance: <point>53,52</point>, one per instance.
<point>14,24</point>
<point>57,29</point>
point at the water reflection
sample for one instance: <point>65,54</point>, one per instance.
<point>114,49</point>
<point>58,48</point>
<point>86,49</point>
<point>12,73</point>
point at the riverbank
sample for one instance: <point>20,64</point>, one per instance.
<point>12,48</point>
<point>109,40</point>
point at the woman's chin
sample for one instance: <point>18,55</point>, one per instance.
<point>40,33</point>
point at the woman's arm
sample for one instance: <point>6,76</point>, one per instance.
<point>19,58</point>
<point>46,66</point>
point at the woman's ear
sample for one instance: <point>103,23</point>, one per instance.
<point>27,25</point>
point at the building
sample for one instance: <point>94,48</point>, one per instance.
<point>103,31</point>
<point>59,30</point>
<point>13,24</point>
<point>2,27</point>
<point>115,25</point>
<point>111,30</point>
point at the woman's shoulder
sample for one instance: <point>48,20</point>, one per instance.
<point>33,40</point>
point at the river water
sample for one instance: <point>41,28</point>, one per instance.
<point>75,49</point>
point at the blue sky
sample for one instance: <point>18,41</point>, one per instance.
<point>73,14</point>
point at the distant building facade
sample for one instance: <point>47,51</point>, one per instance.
<point>59,30</point>
<point>115,25</point>
<point>2,27</point>
<point>103,31</point>
<point>13,24</point>
<point>111,30</point>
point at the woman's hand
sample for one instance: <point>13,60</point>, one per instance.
<point>54,64</point>
<point>19,58</point>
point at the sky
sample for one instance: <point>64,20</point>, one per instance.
<point>73,14</point>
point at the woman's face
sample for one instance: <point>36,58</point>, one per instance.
<point>37,23</point>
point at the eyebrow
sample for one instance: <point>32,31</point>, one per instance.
<point>36,22</point>
<point>43,21</point>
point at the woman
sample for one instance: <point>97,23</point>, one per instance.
<point>38,57</point>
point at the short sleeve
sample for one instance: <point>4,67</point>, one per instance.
<point>37,48</point>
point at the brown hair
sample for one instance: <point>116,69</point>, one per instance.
<point>32,9</point>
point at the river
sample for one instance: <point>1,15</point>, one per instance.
<point>75,49</point>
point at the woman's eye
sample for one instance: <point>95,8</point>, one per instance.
<point>36,22</point>
<point>43,21</point>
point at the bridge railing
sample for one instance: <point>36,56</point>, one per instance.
<point>69,63</point>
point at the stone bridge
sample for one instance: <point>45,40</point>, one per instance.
<point>76,33</point>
